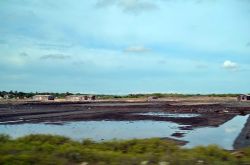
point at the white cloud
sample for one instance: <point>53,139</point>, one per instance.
<point>104,3</point>
<point>137,6</point>
<point>55,57</point>
<point>136,49</point>
<point>133,6</point>
<point>229,65</point>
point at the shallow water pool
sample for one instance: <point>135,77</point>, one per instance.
<point>223,135</point>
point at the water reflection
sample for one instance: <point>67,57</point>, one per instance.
<point>167,114</point>
<point>96,130</point>
<point>223,135</point>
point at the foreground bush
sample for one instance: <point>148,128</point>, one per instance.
<point>48,149</point>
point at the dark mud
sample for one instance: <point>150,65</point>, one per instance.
<point>243,139</point>
<point>210,114</point>
<point>178,134</point>
<point>35,112</point>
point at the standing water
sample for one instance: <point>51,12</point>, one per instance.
<point>223,135</point>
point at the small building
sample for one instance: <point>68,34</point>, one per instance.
<point>43,97</point>
<point>151,98</point>
<point>8,96</point>
<point>243,97</point>
<point>76,98</point>
<point>91,97</point>
<point>80,97</point>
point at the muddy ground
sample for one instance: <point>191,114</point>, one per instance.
<point>203,113</point>
<point>210,113</point>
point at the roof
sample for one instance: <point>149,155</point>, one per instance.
<point>76,95</point>
<point>79,95</point>
<point>244,95</point>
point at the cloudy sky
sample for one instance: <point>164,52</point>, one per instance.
<point>125,46</point>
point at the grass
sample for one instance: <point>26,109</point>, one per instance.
<point>49,150</point>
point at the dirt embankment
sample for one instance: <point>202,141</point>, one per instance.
<point>243,138</point>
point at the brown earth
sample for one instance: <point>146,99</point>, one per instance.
<point>211,113</point>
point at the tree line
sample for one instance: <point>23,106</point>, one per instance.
<point>21,95</point>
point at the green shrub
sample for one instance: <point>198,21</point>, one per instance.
<point>48,149</point>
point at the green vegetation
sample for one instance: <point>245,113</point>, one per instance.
<point>21,95</point>
<point>49,150</point>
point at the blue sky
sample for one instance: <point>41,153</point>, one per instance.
<point>125,46</point>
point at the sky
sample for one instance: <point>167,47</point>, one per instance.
<point>125,46</point>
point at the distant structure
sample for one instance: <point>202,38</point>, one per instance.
<point>8,96</point>
<point>92,97</point>
<point>80,97</point>
<point>243,97</point>
<point>43,97</point>
<point>151,98</point>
